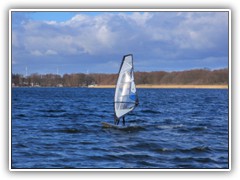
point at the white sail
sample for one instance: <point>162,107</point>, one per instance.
<point>125,99</point>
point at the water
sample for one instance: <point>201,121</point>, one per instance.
<point>171,128</point>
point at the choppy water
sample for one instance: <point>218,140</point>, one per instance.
<point>171,128</point>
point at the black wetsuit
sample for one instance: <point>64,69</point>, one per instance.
<point>123,121</point>
<point>116,120</point>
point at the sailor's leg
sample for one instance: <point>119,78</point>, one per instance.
<point>123,121</point>
<point>116,120</point>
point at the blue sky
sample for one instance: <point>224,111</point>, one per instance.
<point>94,42</point>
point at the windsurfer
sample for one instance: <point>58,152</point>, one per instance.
<point>117,120</point>
<point>123,120</point>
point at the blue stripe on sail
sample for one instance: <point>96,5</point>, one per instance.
<point>132,97</point>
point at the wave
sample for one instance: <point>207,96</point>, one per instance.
<point>67,130</point>
<point>53,110</point>
<point>130,128</point>
<point>20,145</point>
<point>154,146</point>
<point>109,157</point>
<point>165,150</point>
<point>21,115</point>
<point>192,128</point>
<point>150,111</point>
<point>183,128</point>
<point>133,156</point>
<point>170,126</point>
<point>62,115</point>
<point>71,131</point>
<point>200,128</point>
<point>146,164</point>
<point>196,159</point>
<point>197,149</point>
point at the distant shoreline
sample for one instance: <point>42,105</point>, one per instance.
<point>169,86</point>
<point>141,86</point>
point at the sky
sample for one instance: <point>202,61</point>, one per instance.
<point>95,42</point>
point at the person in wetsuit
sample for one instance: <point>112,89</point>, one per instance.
<point>123,120</point>
<point>123,117</point>
<point>117,120</point>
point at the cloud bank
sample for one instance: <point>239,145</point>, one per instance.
<point>96,43</point>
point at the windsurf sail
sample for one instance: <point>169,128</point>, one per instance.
<point>125,99</point>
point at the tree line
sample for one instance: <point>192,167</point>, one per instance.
<point>195,77</point>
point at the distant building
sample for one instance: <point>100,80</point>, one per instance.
<point>92,85</point>
<point>59,85</point>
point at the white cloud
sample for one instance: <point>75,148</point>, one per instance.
<point>51,52</point>
<point>153,35</point>
<point>15,40</point>
<point>36,53</point>
<point>51,22</point>
<point>201,30</point>
<point>14,62</point>
<point>140,18</point>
